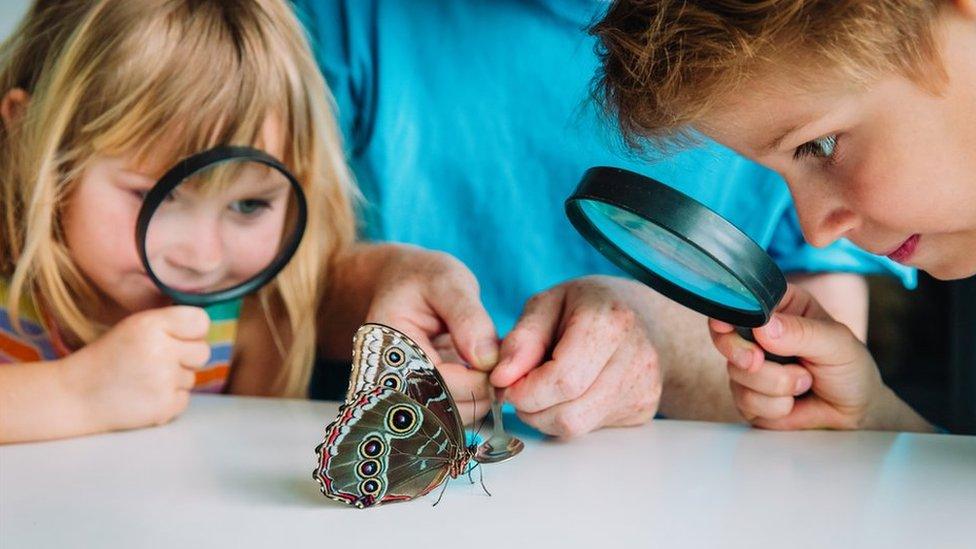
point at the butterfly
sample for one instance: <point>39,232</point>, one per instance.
<point>398,435</point>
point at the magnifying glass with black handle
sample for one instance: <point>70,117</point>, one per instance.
<point>679,247</point>
<point>220,225</point>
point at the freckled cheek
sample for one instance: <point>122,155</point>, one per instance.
<point>879,189</point>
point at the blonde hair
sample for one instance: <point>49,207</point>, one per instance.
<point>667,64</point>
<point>124,76</point>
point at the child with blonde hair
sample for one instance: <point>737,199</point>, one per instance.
<point>99,98</point>
<point>867,109</point>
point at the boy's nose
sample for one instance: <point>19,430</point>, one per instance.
<point>821,227</point>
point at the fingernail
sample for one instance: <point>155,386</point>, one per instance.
<point>803,385</point>
<point>742,358</point>
<point>487,353</point>
<point>774,328</point>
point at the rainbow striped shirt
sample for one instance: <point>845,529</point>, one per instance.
<point>38,339</point>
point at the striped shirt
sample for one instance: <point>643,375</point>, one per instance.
<point>38,339</point>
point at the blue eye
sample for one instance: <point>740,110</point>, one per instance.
<point>249,206</point>
<point>822,147</point>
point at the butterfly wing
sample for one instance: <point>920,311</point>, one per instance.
<point>384,447</point>
<point>386,357</point>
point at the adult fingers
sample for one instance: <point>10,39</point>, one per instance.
<point>626,393</point>
<point>527,344</point>
<point>464,383</point>
<point>456,299</point>
<point>592,336</point>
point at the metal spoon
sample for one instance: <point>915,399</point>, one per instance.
<point>500,446</point>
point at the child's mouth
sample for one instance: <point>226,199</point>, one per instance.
<point>904,252</point>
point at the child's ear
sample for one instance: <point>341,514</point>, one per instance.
<point>967,8</point>
<point>13,105</point>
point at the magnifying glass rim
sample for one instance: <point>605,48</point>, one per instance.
<point>188,167</point>
<point>667,208</point>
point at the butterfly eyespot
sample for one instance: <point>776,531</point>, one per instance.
<point>369,487</point>
<point>392,381</point>
<point>368,468</point>
<point>401,419</point>
<point>394,356</point>
<point>372,447</point>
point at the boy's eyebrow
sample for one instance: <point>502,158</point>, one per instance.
<point>786,131</point>
<point>780,136</point>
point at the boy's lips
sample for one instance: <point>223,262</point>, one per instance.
<point>903,253</point>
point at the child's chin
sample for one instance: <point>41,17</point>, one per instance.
<point>965,267</point>
<point>135,304</point>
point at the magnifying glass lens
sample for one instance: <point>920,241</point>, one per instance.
<point>221,226</point>
<point>669,256</point>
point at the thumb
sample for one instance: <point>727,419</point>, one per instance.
<point>471,328</point>
<point>815,340</point>
<point>526,345</point>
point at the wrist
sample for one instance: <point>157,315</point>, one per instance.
<point>888,412</point>
<point>77,390</point>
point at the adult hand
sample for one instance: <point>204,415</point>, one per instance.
<point>435,299</point>
<point>580,358</point>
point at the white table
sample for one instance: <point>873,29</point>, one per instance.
<point>236,472</point>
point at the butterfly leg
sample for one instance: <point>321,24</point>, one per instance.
<point>481,475</point>
<point>441,494</point>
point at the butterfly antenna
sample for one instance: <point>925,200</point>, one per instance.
<point>481,425</point>
<point>441,494</point>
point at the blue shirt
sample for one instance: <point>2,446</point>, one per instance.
<point>467,125</point>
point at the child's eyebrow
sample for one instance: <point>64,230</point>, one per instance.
<point>781,135</point>
<point>137,175</point>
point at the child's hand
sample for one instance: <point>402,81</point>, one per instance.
<point>140,373</point>
<point>847,391</point>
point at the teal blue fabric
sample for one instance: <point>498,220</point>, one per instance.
<point>468,123</point>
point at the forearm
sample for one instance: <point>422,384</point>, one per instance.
<point>696,385</point>
<point>38,403</point>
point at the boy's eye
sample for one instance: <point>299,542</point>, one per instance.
<point>248,206</point>
<point>822,147</point>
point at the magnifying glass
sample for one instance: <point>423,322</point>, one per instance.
<point>219,225</point>
<point>679,247</point>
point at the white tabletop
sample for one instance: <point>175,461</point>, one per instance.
<point>236,472</point>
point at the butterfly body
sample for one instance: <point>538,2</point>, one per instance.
<point>398,435</point>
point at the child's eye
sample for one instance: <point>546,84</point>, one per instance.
<point>823,147</point>
<point>249,206</point>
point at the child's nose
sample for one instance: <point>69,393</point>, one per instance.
<point>201,254</point>
<point>821,227</point>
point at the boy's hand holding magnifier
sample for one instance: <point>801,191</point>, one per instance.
<point>797,368</point>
